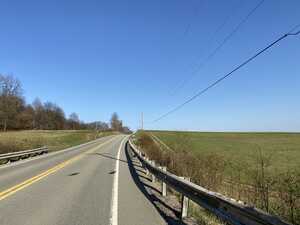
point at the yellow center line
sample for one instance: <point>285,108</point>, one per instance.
<point>30,181</point>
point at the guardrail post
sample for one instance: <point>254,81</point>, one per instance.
<point>139,153</point>
<point>153,177</point>
<point>147,171</point>
<point>141,164</point>
<point>164,185</point>
<point>184,203</point>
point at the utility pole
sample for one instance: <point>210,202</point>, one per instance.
<point>142,121</point>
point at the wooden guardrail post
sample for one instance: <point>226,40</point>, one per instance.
<point>152,175</point>
<point>163,184</point>
<point>139,153</point>
<point>184,203</point>
<point>141,164</point>
<point>147,171</point>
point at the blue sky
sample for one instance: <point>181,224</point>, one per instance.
<point>97,57</point>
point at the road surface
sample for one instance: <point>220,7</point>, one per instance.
<point>86,185</point>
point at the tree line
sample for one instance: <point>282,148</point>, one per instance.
<point>16,114</point>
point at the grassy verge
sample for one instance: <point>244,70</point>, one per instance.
<point>54,140</point>
<point>258,168</point>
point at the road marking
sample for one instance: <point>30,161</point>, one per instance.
<point>115,190</point>
<point>30,181</point>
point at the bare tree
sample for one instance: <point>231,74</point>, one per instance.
<point>74,120</point>
<point>54,117</point>
<point>38,113</point>
<point>25,119</point>
<point>48,116</point>
<point>11,101</point>
<point>16,114</point>
<point>115,123</point>
<point>102,126</point>
<point>10,86</point>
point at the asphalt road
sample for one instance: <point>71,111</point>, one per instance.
<point>86,185</point>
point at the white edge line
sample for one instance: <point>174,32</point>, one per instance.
<point>115,190</point>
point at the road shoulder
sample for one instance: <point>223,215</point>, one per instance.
<point>135,207</point>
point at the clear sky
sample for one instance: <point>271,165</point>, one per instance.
<point>97,57</point>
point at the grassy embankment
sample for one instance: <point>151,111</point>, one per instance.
<point>54,140</point>
<point>261,169</point>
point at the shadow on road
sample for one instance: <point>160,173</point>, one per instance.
<point>73,174</point>
<point>142,182</point>
<point>105,155</point>
<point>158,204</point>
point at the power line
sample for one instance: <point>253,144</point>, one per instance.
<point>189,25</point>
<point>290,33</point>
<point>225,21</point>
<point>220,27</point>
<point>211,38</point>
<point>224,41</point>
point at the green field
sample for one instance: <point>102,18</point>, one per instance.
<point>261,169</point>
<point>54,140</point>
<point>283,149</point>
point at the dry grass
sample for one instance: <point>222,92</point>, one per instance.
<point>54,140</point>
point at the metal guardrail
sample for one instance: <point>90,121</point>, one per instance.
<point>14,156</point>
<point>228,209</point>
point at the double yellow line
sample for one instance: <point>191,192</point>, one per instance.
<point>30,181</point>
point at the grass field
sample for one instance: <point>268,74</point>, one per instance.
<point>261,169</point>
<point>54,140</point>
<point>283,149</point>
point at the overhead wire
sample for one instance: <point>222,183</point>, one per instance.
<point>214,34</point>
<point>220,45</point>
<point>202,91</point>
<point>189,25</point>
